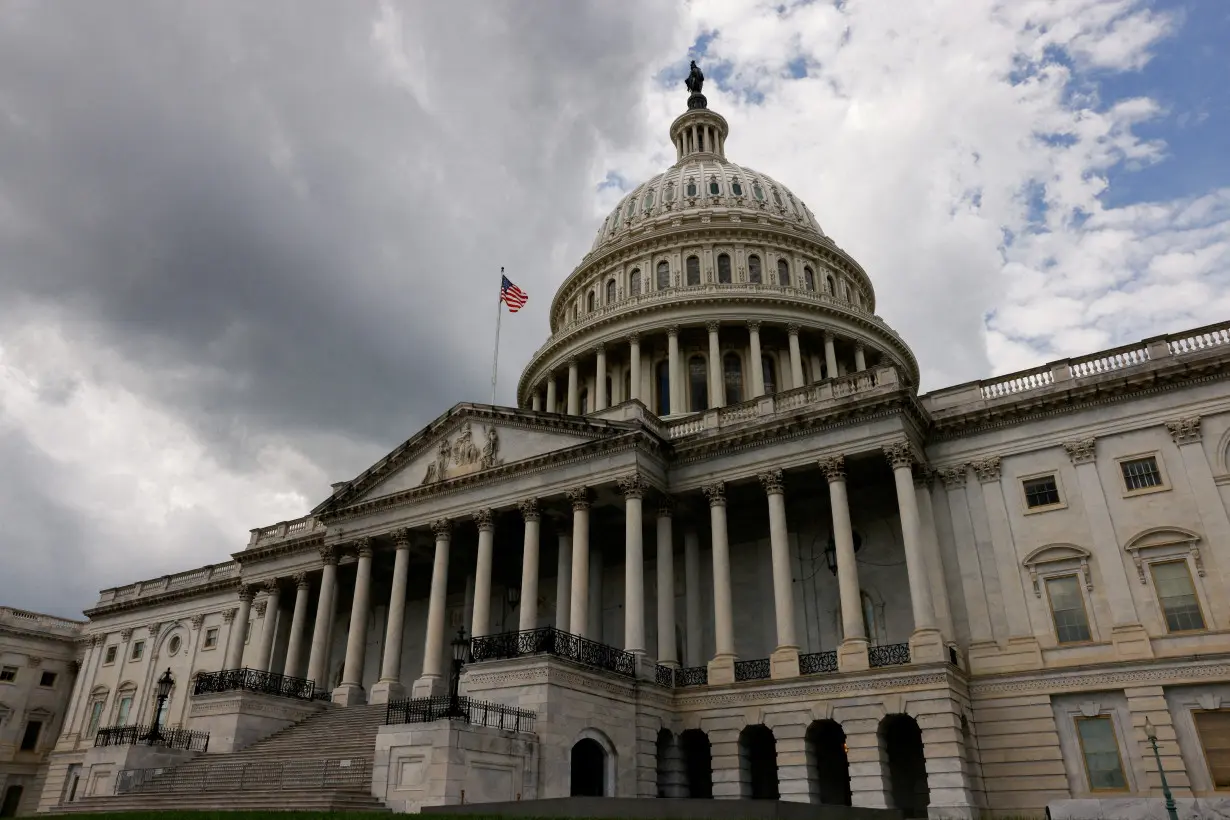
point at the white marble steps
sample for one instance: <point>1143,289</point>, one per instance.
<point>255,800</point>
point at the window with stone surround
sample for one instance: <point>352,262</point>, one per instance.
<point>692,269</point>
<point>211,638</point>
<point>770,374</point>
<point>663,383</point>
<point>1172,580</point>
<point>29,738</point>
<point>732,376</point>
<point>110,656</point>
<point>8,674</point>
<point>664,275</point>
<point>610,291</point>
<point>724,269</point>
<point>783,272</point>
<point>138,649</point>
<point>1142,474</point>
<point>1213,729</point>
<point>47,680</point>
<point>634,282</point>
<point>1041,492</point>
<point>1068,609</point>
<point>698,386</point>
<point>97,701</point>
<point>1100,751</point>
<point>809,278</point>
<point>754,276</point>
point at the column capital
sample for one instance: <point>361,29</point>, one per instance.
<point>363,547</point>
<point>716,493</point>
<point>924,474</point>
<point>899,454</point>
<point>259,608</point>
<point>632,486</point>
<point>1185,430</point>
<point>485,519</point>
<point>246,592</point>
<point>672,330</point>
<point>126,635</point>
<point>271,586</point>
<point>793,329</point>
<point>579,497</point>
<point>834,468</point>
<point>754,326</point>
<point>571,362</point>
<point>328,555</point>
<point>599,349</point>
<point>401,538</point>
<point>301,580</point>
<point>228,615</point>
<point>530,510</point>
<point>987,469</point>
<point>772,482</point>
<point>1083,451</point>
<point>443,529</point>
<point>953,477</point>
<point>829,337</point>
<point>633,338</point>
<point>155,629</point>
<point>859,347</point>
<point>197,621</point>
<point>712,327</point>
<point>666,506</point>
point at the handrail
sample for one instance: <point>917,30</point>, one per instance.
<point>190,740</point>
<point>467,710</point>
<point>551,641</point>
<point>253,680</point>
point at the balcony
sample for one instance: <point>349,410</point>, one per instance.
<point>551,641</point>
<point>253,680</point>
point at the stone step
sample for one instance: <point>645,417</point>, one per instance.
<point>256,799</point>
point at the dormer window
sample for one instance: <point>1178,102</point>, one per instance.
<point>736,188</point>
<point>647,205</point>
<point>777,198</point>
<point>668,193</point>
<point>757,191</point>
<point>631,210</point>
<point>714,188</point>
<point>691,189</point>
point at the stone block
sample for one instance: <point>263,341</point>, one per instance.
<point>236,720</point>
<point>721,671</point>
<point>852,656</point>
<point>784,663</point>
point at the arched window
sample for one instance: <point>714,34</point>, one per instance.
<point>809,278</point>
<point>589,301</point>
<point>724,269</point>
<point>664,388</point>
<point>783,272</point>
<point>754,275</point>
<point>693,269</point>
<point>698,385</point>
<point>631,209</point>
<point>732,376</point>
<point>634,282</point>
<point>770,375</point>
<point>610,291</point>
<point>664,275</point>
<point>832,286</point>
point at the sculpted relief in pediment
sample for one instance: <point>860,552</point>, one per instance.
<point>462,455</point>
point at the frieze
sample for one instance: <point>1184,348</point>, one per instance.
<point>791,693</point>
<point>1052,682</point>
<point>463,456</point>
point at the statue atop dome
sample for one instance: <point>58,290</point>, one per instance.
<point>695,81</point>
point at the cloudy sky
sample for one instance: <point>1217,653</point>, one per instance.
<point>247,248</point>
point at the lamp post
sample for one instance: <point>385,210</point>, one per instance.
<point>461,655</point>
<point>162,692</point>
<point>1171,810</point>
<point>830,551</point>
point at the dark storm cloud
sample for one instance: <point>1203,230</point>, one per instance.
<point>287,231</point>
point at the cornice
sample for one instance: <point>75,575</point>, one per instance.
<point>269,552</point>
<point>1057,680</point>
<point>20,632</point>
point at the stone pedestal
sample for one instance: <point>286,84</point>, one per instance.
<point>852,655</point>
<point>429,686</point>
<point>784,663</point>
<point>349,694</point>
<point>236,720</point>
<point>722,670</point>
<point>927,646</point>
<point>1017,654</point>
<point>385,691</point>
<point>1131,642</point>
<point>646,667</point>
<point>102,765</point>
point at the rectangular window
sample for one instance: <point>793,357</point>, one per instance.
<point>47,679</point>
<point>121,719</point>
<point>1141,473</point>
<point>110,656</point>
<point>29,740</point>
<point>8,674</point>
<point>211,637</point>
<point>1214,731</point>
<point>1100,749</point>
<point>138,649</point>
<point>1041,492</point>
<point>1068,609</point>
<point>95,716</point>
<point>1177,596</point>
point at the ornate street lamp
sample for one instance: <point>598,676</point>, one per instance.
<point>830,551</point>
<point>162,691</point>
<point>461,656</point>
<point>1151,733</point>
<point>513,594</point>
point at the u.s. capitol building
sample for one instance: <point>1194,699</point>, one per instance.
<point>721,548</point>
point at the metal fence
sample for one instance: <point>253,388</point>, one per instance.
<point>187,739</point>
<point>893,654</point>
<point>253,680</point>
<point>758,669</point>
<point>815,663</point>
<point>328,773</point>
<point>551,641</point>
<point>468,710</point>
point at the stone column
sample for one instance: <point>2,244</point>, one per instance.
<point>1188,437</point>
<point>668,652</point>
<point>596,629</point>
<point>672,354</point>
<point>634,364</point>
<point>552,407</point>
<point>579,611</point>
<point>852,653</point>
<point>973,590</point>
<point>293,667</point>
<point>574,389</point>
<point>536,400</point>
<point>433,681</point>
<point>1127,634</point>
<point>757,365</point>
<point>830,356</point>
<point>722,667</point>
<point>527,616</point>
<point>390,687</point>
<point>926,645</point>
<point>796,356</point>
<point>817,367</point>
<point>924,477</point>
<point>563,583</point>
<point>350,692</point>
<point>860,357</point>
<point>694,628</point>
<point>482,573</point>
<point>633,488</point>
<point>239,629</point>
<point>784,663</point>
<point>264,658</point>
<point>318,658</point>
<point>717,395</point>
<point>600,396</point>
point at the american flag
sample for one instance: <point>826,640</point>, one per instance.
<point>512,295</point>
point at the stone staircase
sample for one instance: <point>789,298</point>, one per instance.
<point>323,763</point>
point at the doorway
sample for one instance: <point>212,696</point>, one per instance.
<point>588,769</point>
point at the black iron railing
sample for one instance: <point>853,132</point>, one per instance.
<point>692,676</point>
<point>818,663</point>
<point>330,773</point>
<point>665,676</point>
<point>752,670</point>
<point>253,680</point>
<point>551,641</point>
<point>467,710</point>
<point>893,654</point>
<point>186,739</point>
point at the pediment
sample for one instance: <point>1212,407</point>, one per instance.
<point>1053,553</point>
<point>1161,537</point>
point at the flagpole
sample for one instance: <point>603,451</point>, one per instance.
<point>499,313</point>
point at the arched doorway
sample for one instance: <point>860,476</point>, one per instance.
<point>758,763</point>
<point>901,739</point>
<point>698,763</point>
<point>588,768</point>
<point>12,799</point>
<point>827,743</point>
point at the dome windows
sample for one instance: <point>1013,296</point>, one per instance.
<point>723,265</point>
<point>830,285</point>
<point>634,282</point>
<point>732,377</point>
<point>668,193</point>
<point>691,188</point>
<point>590,301</point>
<point>770,374</point>
<point>664,275</point>
<point>757,191</point>
<point>631,209</point>
<point>777,199</point>
<point>698,387</point>
<point>714,188</point>
<point>809,278</point>
<point>736,187</point>
<point>647,204</point>
<point>610,291</point>
<point>783,272</point>
<point>754,276</point>
<point>693,270</point>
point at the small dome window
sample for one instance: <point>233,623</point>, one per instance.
<point>777,198</point>
<point>753,270</point>
<point>714,188</point>
<point>173,646</point>
<point>610,291</point>
<point>634,282</point>
<point>757,191</point>
<point>832,286</point>
<point>691,189</point>
<point>724,269</point>
<point>664,275</point>
<point>631,209</point>
<point>668,193</point>
<point>736,188</point>
<point>693,270</point>
<point>783,272</point>
<point>590,300</point>
<point>647,205</point>
<point>809,278</point>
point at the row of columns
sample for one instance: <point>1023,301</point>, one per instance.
<point>678,396</point>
